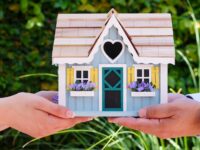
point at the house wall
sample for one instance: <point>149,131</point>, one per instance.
<point>84,106</point>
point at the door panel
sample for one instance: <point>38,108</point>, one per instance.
<point>112,99</point>
<point>112,88</point>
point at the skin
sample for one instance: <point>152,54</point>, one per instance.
<point>35,114</point>
<point>180,117</point>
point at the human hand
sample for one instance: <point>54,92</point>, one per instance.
<point>34,115</point>
<point>179,117</point>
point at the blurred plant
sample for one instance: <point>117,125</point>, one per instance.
<point>190,68</point>
<point>197,35</point>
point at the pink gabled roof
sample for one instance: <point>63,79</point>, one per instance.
<point>150,33</point>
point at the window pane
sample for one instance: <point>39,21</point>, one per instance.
<point>146,72</point>
<point>85,81</point>
<point>85,74</point>
<point>78,81</point>
<point>146,80</point>
<point>78,74</point>
<point>139,80</point>
<point>139,72</point>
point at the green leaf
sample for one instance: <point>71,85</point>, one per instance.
<point>1,13</point>
<point>87,7</point>
<point>61,4</point>
<point>37,9</point>
<point>23,5</point>
<point>84,1</point>
<point>30,24</point>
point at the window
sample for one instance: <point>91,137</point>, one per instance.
<point>81,74</point>
<point>143,73</point>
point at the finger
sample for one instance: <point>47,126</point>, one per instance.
<point>60,123</point>
<point>157,111</point>
<point>69,124</point>
<point>54,109</point>
<point>47,94</point>
<point>57,124</point>
<point>150,126</point>
<point>77,120</point>
<point>3,127</point>
<point>173,97</point>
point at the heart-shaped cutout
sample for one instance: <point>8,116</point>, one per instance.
<point>113,49</point>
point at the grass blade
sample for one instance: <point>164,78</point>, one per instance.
<point>189,67</point>
<point>37,74</point>
<point>191,11</point>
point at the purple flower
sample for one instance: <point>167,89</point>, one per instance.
<point>78,87</point>
<point>140,89</point>
<point>143,84</point>
<point>92,85</point>
<point>83,86</point>
<point>151,87</point>
<point>72,86</point>
<point>132,85</point>
<point>55,99</point>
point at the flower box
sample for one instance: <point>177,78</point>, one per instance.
<point>82,93</point>
<point>143,94</point>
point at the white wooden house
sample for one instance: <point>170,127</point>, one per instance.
<point>112,51</point>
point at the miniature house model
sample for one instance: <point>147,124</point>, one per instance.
<point>112,64</point>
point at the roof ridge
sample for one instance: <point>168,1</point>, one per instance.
<point>128,36</point>
<point>112,11</point>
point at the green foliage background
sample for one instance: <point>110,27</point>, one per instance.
<point>26,38</point>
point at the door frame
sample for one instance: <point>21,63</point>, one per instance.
<point>124,84</point>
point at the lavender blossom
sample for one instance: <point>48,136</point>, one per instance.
<point>132,85</point>
<point>151,87</point>
<point>78,87</point>
<point>55,99</point>
<point>141,87</point>
<point>73,87</point>
<point>88,86</point>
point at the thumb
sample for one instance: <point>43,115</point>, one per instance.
<point>157,111</point>
<point>54,109</point>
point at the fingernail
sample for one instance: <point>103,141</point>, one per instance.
<point>70,114</point>
<point>112,120</point>
<point>142,113</point>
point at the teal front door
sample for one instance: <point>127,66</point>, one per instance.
<point>112,88</point>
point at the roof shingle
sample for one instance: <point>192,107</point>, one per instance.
<point>151,34</point>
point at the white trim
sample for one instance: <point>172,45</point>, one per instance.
<point>124,84</point>
<point>81,68</point>
<point>142,66</point>
<point>100,88</point>
<point>114,22</point>
<point>163,83</point>
<point>146,60</point>
<point>82,93</point>
<point>112,41</point>
<point>143,94</point>
<point>62,84</point>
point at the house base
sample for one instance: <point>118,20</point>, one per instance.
<point>106,113</point>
